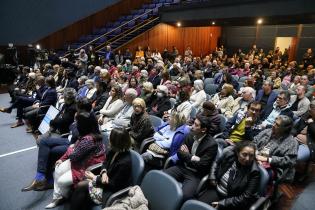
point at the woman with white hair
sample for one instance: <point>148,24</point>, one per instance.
<point>198,96</point>
<point>91,92</point>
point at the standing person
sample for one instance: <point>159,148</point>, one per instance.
<point>233,181</point>
<point>195,156</point>
<point>114,176</point>
<point>87,151</point>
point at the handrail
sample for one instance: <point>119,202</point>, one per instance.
<point>125,33</point>
<point>151,10</point>
<point>152,20</point>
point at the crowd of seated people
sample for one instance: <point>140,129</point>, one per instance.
<point>261,113</point>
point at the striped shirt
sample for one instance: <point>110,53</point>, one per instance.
<point>223,182</point>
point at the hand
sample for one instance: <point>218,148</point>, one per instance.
<point>212,182</point>
<point>104,178</point>
<point>35,105</point>
<point>184,148</point>
<point>248,121</point>
<point>229,141</point>
<point>100,120</point>
<point>215,204</point>
<point>58,162</point>
<point>89,175</point>
<point>261,158</point>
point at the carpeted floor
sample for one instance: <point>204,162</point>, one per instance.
<point>17,170</point>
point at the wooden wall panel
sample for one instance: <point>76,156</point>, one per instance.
<point>202,40</point>
<point>85,26</point>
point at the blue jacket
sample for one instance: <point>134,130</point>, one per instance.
<point>271,99</point>
<point>178,138</point>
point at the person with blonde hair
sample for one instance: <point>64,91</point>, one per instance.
<point>140,124</point>
<point>168,138</point>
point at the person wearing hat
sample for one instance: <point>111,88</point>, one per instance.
<point>162,102</point>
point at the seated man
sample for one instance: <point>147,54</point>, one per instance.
<point>299,102</point>
<point>195,157</point>
<point>22,102</point>
<point>266,96</point>
<point>242,125</point>
<point>280,107</point>
<point>248,95</point>
<point>277,149</point>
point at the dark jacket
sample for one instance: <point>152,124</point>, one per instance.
<point>140,127</point>
<point>242,190</point>
<point>64,119</point>
<point>100,101</point>
<point>119,173</point>
<point>49,97</point>
<point>163,105</point>
<point>271,99</point>
<point>206,151</point>
<point>285,111</point>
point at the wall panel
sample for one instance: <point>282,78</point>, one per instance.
<point>202,40</point>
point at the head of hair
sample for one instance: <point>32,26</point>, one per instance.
<point>178,118</point>
<point>119,140</point>
<point>285,125</point>
<point>118,91</point>
<point>69,94</point>
<point>183,95</point>
<point>133,77</point>
<point>286,95</point>
<point>253,103</point>
<point>204,122</point>
<point>139,101</point>
<point>131,92</point>
<point>87,124</point>
<point>208,106</point>
<point>50,81</point>
<point>84,105</point>
<point>148,86</point>
<point>239,146</point>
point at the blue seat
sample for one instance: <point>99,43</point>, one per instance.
<point>211,88</point>
<point>209,81</point>
<point>173,102</point>
<point>156,121</point>
<point>161,190</point>
<point>196,205</point>
<point>193,112</point>
<point>242,79</point>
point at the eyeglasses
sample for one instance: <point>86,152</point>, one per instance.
<point>254,110</point>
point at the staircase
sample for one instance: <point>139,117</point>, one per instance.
<point>122,31</point>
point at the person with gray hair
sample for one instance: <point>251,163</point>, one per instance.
<point>266,96</point>
<point>198,96</point>
<point>277,148</point>
<point>82,89</point>
<point>241,103</point>
<point>299,102</point>
<point>280,107</point>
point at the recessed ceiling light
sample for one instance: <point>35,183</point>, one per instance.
<point>179,24</point>
<point>259,21</point>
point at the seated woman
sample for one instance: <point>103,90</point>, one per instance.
<point>87,151</point>
<point>233,179</point>
<point>168,139</point>
<point>140,124</point>
<point>52,148</point>
<point>115,174</point>
<point>223,100</point>
<point>198,96</point>
<point>112,106</point>
<point>161,103</point>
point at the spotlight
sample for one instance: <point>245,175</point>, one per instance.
<point>259,21</point>
<point>213,23</point>
<point>38,46</point>
<point>179,24</point>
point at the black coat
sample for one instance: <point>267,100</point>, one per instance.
<point>119,173</point>
<point>206,151</point>
<point>243,189</point>
<point>163,104</point>
<point>64,119</point>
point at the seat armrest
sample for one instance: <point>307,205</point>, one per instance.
<point>168,162</point>
<point>202,184</point>
<point>94,167</point>
<point>259,203</point>
<point>218,135</point>
<point>117,195</point>
<point>65,135</point>
<point>145,144</point>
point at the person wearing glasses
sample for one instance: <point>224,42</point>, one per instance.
<point>277,149</point>
<point>242,126</point>
<point>280,107</point>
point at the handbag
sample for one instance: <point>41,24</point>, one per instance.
<point>154,147</point>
